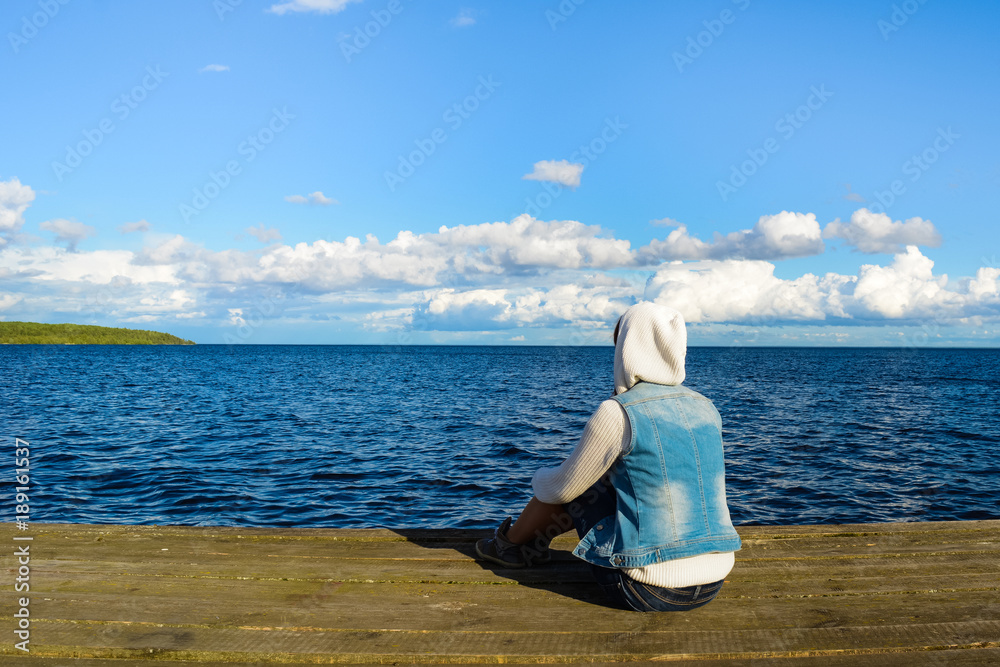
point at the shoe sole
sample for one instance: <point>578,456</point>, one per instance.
<point>494,559</point>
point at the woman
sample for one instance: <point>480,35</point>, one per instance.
<point>645,485</point>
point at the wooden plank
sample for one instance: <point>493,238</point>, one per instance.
<point>940,567</point>
<point>784,582</point>
<point>798,593</point>
<point>513,608</point>
<point>171,547</point>
<point>193,643</point>
<point>915,658</point>
<point>401,534</point>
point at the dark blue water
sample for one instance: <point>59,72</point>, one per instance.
<point>364,436</point>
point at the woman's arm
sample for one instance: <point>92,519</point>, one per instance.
<point>606,434</point>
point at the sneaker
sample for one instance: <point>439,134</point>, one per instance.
<point>502,551</point>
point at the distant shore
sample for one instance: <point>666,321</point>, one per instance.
<point>36,333</point>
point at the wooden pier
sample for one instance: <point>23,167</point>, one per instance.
<point>885,594</point>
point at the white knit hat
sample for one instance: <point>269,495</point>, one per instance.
<point>652,344</point>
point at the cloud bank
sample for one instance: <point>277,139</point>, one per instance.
<point>525,273</point>
<point>877,233</point>
<point>69,232</point>
<point>14,201</point>
<point>779,236</point>
<point>464,19</point>
<point>311,6</point>
<point>562,172</point>
<point>316,198</point>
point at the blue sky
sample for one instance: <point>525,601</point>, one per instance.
<point>783,172</point>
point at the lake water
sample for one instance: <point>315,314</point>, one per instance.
<point>366,436</point>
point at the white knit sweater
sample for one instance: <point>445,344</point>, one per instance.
<point>652,344</point>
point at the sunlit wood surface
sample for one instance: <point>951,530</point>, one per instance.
<point>884,594</point>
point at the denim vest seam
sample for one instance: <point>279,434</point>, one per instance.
<point>697,462</point>
<point>631,424</point>
<point>663,474</point>
<point>688,394</point>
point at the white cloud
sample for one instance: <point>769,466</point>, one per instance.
<point>985,285</point>
<point>50,264</point>
<point>214,68</point>
<point>464,19</point>
<point>317,198</point>
<point>665,222</point>
<point>264,235</point>
<point>481,309</point>
<point>740,290</point>
<point>748,291</point>
<point>778,236</point>
<point>177,300</point>
<point>140,226</point>
<point>907,287</point>
<point>563,172</point>
<point>8,300</point>
<point>14,200</point>
<point>488,277</point>
<point>586,307</point>
<point>876,232</point>
<point>69,232</point>
<point>463,254</point>
<point>318,6</point>
<point>853,196</point>
<point>527,242</point>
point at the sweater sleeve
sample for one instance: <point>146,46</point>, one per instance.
<point>603,440</point>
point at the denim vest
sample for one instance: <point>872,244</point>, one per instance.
<point>670,483</point>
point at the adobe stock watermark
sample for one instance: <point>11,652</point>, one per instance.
<point>22,552</point>
<point>585,154</point>
<point>223,7</point>
<point>362,37</point>
<point>914,340</point>
<point>786,126</point>
<point>455,116</point>
<point>562,12</point>
<point>122,107</point>
<point>47,10</point>
<point>901,13</point>
<point>102,297</point>
<point>916,166</point>
<point>247,152</point>
<point>269,303</point>
<point>698,43</point>
<point>420,321</point>
<point>594,336</point>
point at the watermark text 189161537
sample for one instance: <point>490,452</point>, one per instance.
<point>22,552</point>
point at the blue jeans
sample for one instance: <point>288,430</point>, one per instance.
<point>621,589</point>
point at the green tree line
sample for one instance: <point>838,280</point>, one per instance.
<point>31,333</point>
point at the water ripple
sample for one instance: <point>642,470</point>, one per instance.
<point>356,436</point>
